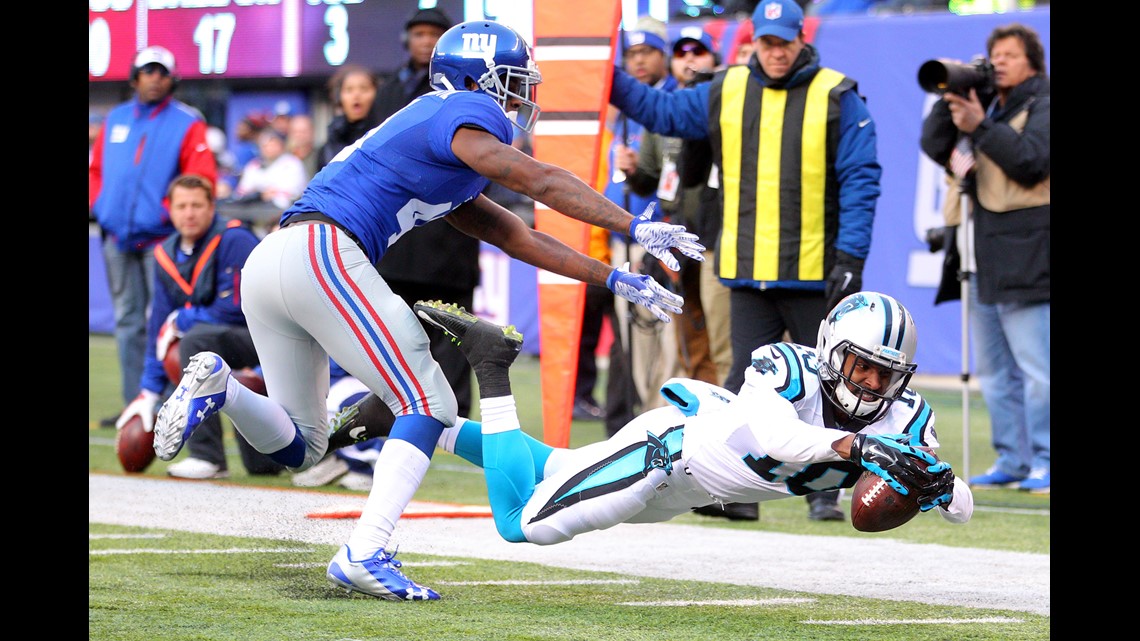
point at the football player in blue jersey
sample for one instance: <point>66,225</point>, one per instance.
<point>807,419</point>
<point>311,291</point>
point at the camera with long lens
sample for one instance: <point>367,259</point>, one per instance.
<point>943,74</point>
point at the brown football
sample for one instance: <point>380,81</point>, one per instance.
<point>250,379</point>
<point>876,506</point>
<point>134,445</point>
<point>173,363</point>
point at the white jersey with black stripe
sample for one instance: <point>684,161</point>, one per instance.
<point>772,440</point>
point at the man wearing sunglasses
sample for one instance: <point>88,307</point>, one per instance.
<point>144,144</point>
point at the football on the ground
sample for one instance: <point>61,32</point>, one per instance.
<point>250,379</point>
<point>173,363</point>
<point>876,506</point>
<point>134,445</point>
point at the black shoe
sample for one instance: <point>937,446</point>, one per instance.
<point>824,506</point>
<point>585,410</point>
<point>365,419</point>
<point>731,511</point>
<point>109,421</point>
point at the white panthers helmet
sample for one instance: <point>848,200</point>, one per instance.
<point>877,329</point>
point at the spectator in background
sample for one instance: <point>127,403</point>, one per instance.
<point>126,197</point>
<point>282,115</point>
<point>246,148</point>
<point>301,142</point>
<point>434,260</point>
<point>273,177</point>
<point>216,138</point>
<point>94,126</point>
<point>656,172</point>
<point>743,52</point>
<point>997,146</point>
<point>197,302</point>
<point>644,353</point>
<point>353,90</point>
<point>791,245</point>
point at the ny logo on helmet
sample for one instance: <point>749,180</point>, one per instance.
<point>479,42</point>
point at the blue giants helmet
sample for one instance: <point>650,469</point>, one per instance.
<point>494,57</point>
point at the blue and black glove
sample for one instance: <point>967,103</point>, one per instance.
<point>889,457</point>
<point>939,491</point>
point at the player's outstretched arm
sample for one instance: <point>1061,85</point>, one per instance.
<point>564,192</point>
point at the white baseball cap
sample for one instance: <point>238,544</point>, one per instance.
<point>154,53</point>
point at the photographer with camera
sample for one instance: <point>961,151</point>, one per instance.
<point>992,135</point>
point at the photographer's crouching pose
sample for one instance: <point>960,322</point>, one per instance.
<point>777,438</point>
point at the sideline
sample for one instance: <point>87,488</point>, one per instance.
<point>821,564</point>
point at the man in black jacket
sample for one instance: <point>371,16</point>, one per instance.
<point>435,261</point>
<point>997,143</point>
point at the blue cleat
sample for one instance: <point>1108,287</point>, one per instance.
<point>379,576</point>
<point>995,478</point>
<point>200,394</point>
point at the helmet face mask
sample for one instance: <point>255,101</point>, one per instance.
<point>499,62</point>
<point>866,336</point>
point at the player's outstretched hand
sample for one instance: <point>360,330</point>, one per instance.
<point>939,490</point>
<point>889,457</point>
<point>643,290</point>
<point>658,238</point>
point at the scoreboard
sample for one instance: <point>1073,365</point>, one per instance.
<point>251,38</point>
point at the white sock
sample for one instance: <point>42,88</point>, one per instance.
<point>499,414</point>
<point>447,438</point>
<point>400,468</point>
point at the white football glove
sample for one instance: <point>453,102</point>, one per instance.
<point>643,290</point>
<point>658,238</point>
<point>167,334</point>
<point>143,406</point>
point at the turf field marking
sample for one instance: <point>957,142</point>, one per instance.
<point>225,551</point>
<point>422,564</point>
<point>570,582</point>
<point>93,537</point>
<point>914,621</point>
<point>733,602</point>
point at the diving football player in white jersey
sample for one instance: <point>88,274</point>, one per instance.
<point>310,289</point>
<point>806,420</point>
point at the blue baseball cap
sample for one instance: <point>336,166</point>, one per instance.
<point>647,38</point>
<point>694,34</point>
<point>781,18</point>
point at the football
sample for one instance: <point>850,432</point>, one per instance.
<point>250,379</point>
<point>134,445</point>
<point>876,506</point>
<point>173,363</point>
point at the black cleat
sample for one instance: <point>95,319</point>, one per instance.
<point>481,341</point>
<point>367,418</point>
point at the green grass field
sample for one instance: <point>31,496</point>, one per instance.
<point>173,588</point>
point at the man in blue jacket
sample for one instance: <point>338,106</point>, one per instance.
<point>795,146</point>
<point>144,143</point>
<point>197,301</point>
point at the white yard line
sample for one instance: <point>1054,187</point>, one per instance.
<point>941,575</point>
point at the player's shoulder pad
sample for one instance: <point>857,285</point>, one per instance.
<point>691,396</point>
<point>789,369</point>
